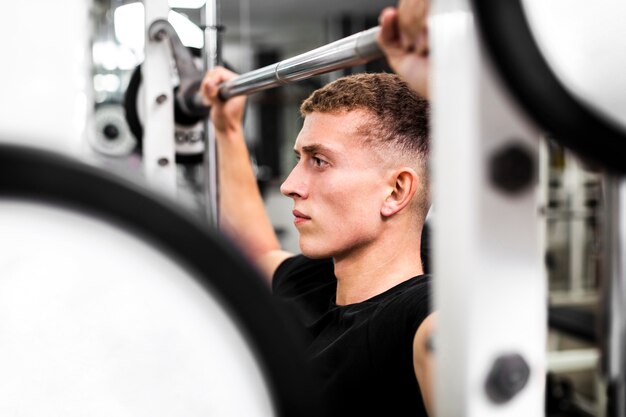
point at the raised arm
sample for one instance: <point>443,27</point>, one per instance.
<point>242,211</point>
<point>404,40</point>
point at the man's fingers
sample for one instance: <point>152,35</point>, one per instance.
<point>421,46</point>
<point>211,82</point>
<point>407,42</point>
<point>388,21</point>
<point>412,38</point>
<point>412,16</point>
<point>208,90</point>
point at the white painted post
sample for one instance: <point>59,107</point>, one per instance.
<point>158,144</point>
<point>490,286</point>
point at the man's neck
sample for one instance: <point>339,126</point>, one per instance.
<point>375,269</point>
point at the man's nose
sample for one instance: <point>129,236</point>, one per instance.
<point>294,185</point>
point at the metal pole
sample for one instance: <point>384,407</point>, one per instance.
<point>210,20</point>
<point>353,50</point>
<point>613,300</point>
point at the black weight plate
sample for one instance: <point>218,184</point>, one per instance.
<point>46,178</point>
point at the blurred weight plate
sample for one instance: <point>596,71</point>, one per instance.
<point>112,134</point>
<point>550,55</point>
<point>114,303</point>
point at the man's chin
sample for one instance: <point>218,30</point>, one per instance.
<point>314,253</point>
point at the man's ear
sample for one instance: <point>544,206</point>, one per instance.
<point>404,184</point>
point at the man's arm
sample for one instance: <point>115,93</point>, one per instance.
<point>404,40</point>
<point>242,211</point>
<point>423,361</point>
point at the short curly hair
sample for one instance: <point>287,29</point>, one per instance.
<point>400,117</point>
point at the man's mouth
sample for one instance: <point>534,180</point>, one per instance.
<point>299,217</point>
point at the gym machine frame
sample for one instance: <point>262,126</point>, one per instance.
<point>159,150</point>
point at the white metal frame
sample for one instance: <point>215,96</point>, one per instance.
<point>490,286</point>
<point>158,145</point>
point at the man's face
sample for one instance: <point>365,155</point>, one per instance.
<point>338,186</point>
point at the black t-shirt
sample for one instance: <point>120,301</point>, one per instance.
<point>362,354</point>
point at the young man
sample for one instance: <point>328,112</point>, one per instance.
<point>360,197</point>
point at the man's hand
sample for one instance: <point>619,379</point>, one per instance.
<point>227,116</point>
<point>404,40</point>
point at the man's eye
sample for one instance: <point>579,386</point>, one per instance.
<point>319,162</point>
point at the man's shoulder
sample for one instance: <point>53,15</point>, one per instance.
<point>411,299</point>
<point>419,286</point>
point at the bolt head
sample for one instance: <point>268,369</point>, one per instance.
<point>512,168</point>
<point>508,376</point>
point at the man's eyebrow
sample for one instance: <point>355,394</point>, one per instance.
<point>316,147</point>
